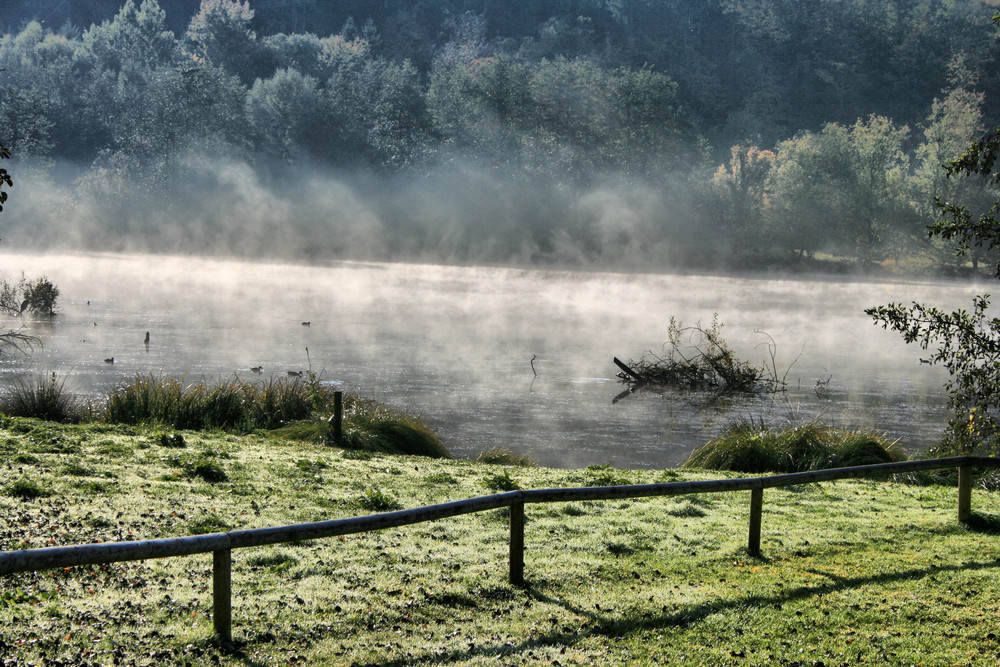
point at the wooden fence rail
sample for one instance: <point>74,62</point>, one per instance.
<point>222,544</point>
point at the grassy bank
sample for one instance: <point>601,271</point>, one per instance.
<point>852,572</point>
<point>289,408</point>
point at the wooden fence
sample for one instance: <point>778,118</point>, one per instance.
<point>222,544</point>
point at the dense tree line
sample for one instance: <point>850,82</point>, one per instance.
<point>568,117</point>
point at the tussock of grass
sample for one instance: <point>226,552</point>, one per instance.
<point>26,489</point>
<point>374,427</point>
<point>207,524</point>
<point>232,405</point>
<point>441,478</point>
<point>502,456</point>
<point>294,409</point>
<point>170,440</point>
<point>311,430</point>
<point>43,397</point>
<point>752,447</point>
<point>605,475</point>
<point>376,500</point>
<point>356,455</point>
<point>274,560</point>
<point>501,481</point>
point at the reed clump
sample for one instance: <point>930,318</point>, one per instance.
<point>507,457</point>
<point>43,397</point>
<point>375,427</point>
<point>751,446</point>
<point>291,408</point>
<point>231,405</point>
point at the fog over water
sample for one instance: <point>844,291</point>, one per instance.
<point>455,345</point>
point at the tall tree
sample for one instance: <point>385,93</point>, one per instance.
<point>843,189</point>
<point>966,343</point>
<point>220,34</point>
<point>135,40</point>
<point>954,122</point>
<point>283,113</point>
<point>11,340</point>
<point>741,187</point>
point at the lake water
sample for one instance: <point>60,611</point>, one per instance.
<point>455,345</point>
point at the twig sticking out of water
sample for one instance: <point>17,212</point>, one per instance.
<point>771,368</point>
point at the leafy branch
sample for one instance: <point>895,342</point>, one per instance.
<point>968,346</point>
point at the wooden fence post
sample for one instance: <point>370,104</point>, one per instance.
<point>222,592</point>
<point>517,544</point>
<point>964,494</point>
<point>337,421</point>
<point>756,506</point>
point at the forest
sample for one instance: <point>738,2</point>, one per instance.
<point>619,133</point>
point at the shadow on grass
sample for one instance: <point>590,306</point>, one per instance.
<point>235,651</point>
<point>602,624</point>
<point>984,523</point>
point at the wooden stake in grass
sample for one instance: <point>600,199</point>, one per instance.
<point>964,494</point>
<point>517,544</point>
<point>337,421</point>
<point>222,594</point>
<point>756,506</point>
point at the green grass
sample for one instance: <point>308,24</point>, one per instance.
<point>851,572</point>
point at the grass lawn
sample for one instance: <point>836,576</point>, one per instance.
<point>853,572</point>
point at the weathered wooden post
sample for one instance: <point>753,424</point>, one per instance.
<point>222,594</point>
<point>964,494</point>
<point>756,506</point>
<point>337,421</point>
<point>517,544</point>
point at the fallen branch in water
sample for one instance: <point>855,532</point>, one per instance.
<point>18,341</point>
<point>699,359</point>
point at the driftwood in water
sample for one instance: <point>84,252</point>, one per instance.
<point>698,360</point>
<point>628,371</point>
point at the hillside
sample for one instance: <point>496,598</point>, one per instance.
<point>631,135</point>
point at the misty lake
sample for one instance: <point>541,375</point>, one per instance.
<point>455,345</point>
